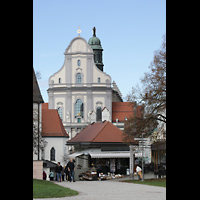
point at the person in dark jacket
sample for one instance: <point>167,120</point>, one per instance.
<point>44,175</point>
<point>58,171</point>
<point>71,169</point>
<point>68,177</point>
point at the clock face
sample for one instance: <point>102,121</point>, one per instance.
<point>79,114</point>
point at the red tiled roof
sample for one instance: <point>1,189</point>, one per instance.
<point>45,106</point>
<point>51,123</point>
<point>99,132</point>
<point>120,110</point>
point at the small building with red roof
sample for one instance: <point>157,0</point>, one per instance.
<point>55,136</point>
<point>103,142</point>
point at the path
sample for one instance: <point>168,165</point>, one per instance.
<point>108,190</point>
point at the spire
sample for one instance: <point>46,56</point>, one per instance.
<point>94,32</point>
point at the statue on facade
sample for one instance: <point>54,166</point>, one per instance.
<point>89,117</point>
<point>94,32</point>
<point>68,116</point>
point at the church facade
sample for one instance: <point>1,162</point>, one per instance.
<point>80,90</point>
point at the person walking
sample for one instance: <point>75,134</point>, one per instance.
<point>139,171</point>
<point>51,175</point>
<point>58,171</point>
<point>63,173</point>
<point>71,169</point>
<point>68,178</point>
<point>44,175</point>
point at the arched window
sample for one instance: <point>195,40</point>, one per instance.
<point>99,114</point>
<point>78,78</point>
<point>99,80</point>
<point>78,62</point>
<point>52,154</point>
<point>78,108</point>
<point>60,112</point>
<point>59,80</point>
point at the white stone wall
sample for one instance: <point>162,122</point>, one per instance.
<point>61,150</point>
<point>89,91</point>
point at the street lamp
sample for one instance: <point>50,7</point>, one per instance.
<point>142,159</point>
<point>132,161</point>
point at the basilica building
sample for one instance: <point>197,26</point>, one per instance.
<point>80,90</point>
<point>85,113</point>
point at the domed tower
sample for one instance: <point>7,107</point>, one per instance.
<point>95,43</point>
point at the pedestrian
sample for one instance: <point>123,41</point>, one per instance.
<point>58,171</point>
<point>139,171</point>
<point>67,173</point>
<point>44,175</point>
<point>71,169</point>
<point>63,173</point>
<point>98,169</point>
<point>51,175</point>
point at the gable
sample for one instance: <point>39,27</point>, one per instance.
<point>78,45</point>
<point>37,97</point>
<point>110,133</point>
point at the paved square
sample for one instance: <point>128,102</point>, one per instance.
<point>107,190</point>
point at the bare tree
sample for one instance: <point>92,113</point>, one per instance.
<point>152,95</point>
<point>37,100</point>
<point>42,142</point>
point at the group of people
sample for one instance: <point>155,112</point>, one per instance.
<point>68,170</point>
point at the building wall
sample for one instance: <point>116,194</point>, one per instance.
<point>61,150</point>
<point>38,169</point>
<point>92,92</point>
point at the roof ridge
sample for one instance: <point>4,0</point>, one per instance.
<point>100,131</point>
<point>63,131</point>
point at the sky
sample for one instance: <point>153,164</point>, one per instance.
<point>130,31</point>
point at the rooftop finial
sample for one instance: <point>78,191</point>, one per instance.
<point>94,32</point>
<point>78,31</point>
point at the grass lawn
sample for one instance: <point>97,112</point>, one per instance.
<point>155,182</point>
<point>47,189</point>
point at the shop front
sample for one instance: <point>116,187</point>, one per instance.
<point>100,150</point>
<point>96,161</point>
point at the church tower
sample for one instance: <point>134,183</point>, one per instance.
<point>95,44</point>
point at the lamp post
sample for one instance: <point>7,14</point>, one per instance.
<point>142,159</point>
<point>131,162</point>
<point>131,167</point>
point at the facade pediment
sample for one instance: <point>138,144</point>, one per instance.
<point>78,46</point>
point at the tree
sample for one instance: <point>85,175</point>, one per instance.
<point>37,100</point>
<point>42,142</point>
<point>152,96</point>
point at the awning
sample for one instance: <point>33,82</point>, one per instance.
<point>49,164</point>
<point>110,155</point>
<point>73,155</point>
<point>97,153</point>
